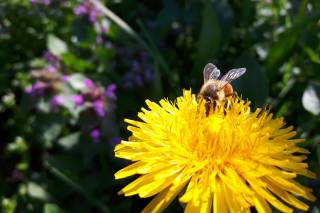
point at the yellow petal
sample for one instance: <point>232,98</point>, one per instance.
<point>261,205</point>
<point>219,203</point>
<point>163,199</point>
<point>290,199</point>
<point>129,170</point>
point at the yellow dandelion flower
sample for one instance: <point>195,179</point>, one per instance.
<point>228,161</point>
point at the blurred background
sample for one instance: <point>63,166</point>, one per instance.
<point>71,71</point>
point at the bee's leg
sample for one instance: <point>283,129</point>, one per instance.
<point>260,113</point>
<point>226,105</point>
<point>234,94</point>
<point>268,107</point>
<point>199,101</point>
<point>198,98</point>
<point>207,104</point>
<point>225,108</point>
<point>208,107</point>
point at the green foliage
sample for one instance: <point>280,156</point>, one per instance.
<point>49,159</point>
<point>56,46</point>
<point>208,44</point>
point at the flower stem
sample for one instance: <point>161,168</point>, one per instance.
<point>154,49</point>
<point>76,187</point>
<point>126,28</point>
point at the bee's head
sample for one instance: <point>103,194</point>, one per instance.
<point>209,93</point>
<point>208,98</point>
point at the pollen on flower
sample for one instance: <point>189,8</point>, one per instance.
<point>232,159</point>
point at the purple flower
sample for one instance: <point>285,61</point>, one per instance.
<point>109,45</point>
<point>144,56</point>
<point>17,175</point>
<point>104,28</point>
<point>88,82</point>
<point>128,85</point>
<point>95,135</point>
<point>77,100</point>
<point>127,82</point>
<point>52,59</point>
<point>98,106</point>
<point>52,69</point>
<point>93,14</point>
<point>89,9</point>
<point>66,78</point>
<point>56,101</point>
<point>135,65</point>
<point>80,10</point>
<point>139,80</point>
<point>110,91</point>
<point>114,141</point>
<point>99,39</point>
<point>36,89</point>
<point>148,74</point>
<point>28,90</point>
<point>140,72</point>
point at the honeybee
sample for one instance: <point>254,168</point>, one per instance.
<point>215,89</point>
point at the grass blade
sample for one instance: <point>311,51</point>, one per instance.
<point>126,28</point>
<point>76,187</point>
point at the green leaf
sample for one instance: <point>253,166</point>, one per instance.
<point>49,126</point>
<point>56,46</point>
<point>311,98</point>
<point>254,83</point>
<point>281,50</point>
<point>38,192</point>
<point>23,166</point>
<point>225,15</point>
<point>51,208</point>
<point>37,62</point>
<point>83,33</point>
<point>8,205</point>
<point>52,131</point>
<point>104,54</point>
<point>75,63</point>
<point>313,56</point>
<point>19,145</point>
<point>68,103</point>
<point>67,162</point>
<point>43,106</point>
<point>209,39</point>
<point>77,81</point>
<point>157,90</point>
<point>72,184</point>
<point>69,141</point>
<point>318,153</point>
<point>316,210</point>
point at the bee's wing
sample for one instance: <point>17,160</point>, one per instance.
<point>210,72</point>
<point>233,74</point>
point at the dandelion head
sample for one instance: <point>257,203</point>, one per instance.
<point>230,159</point>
